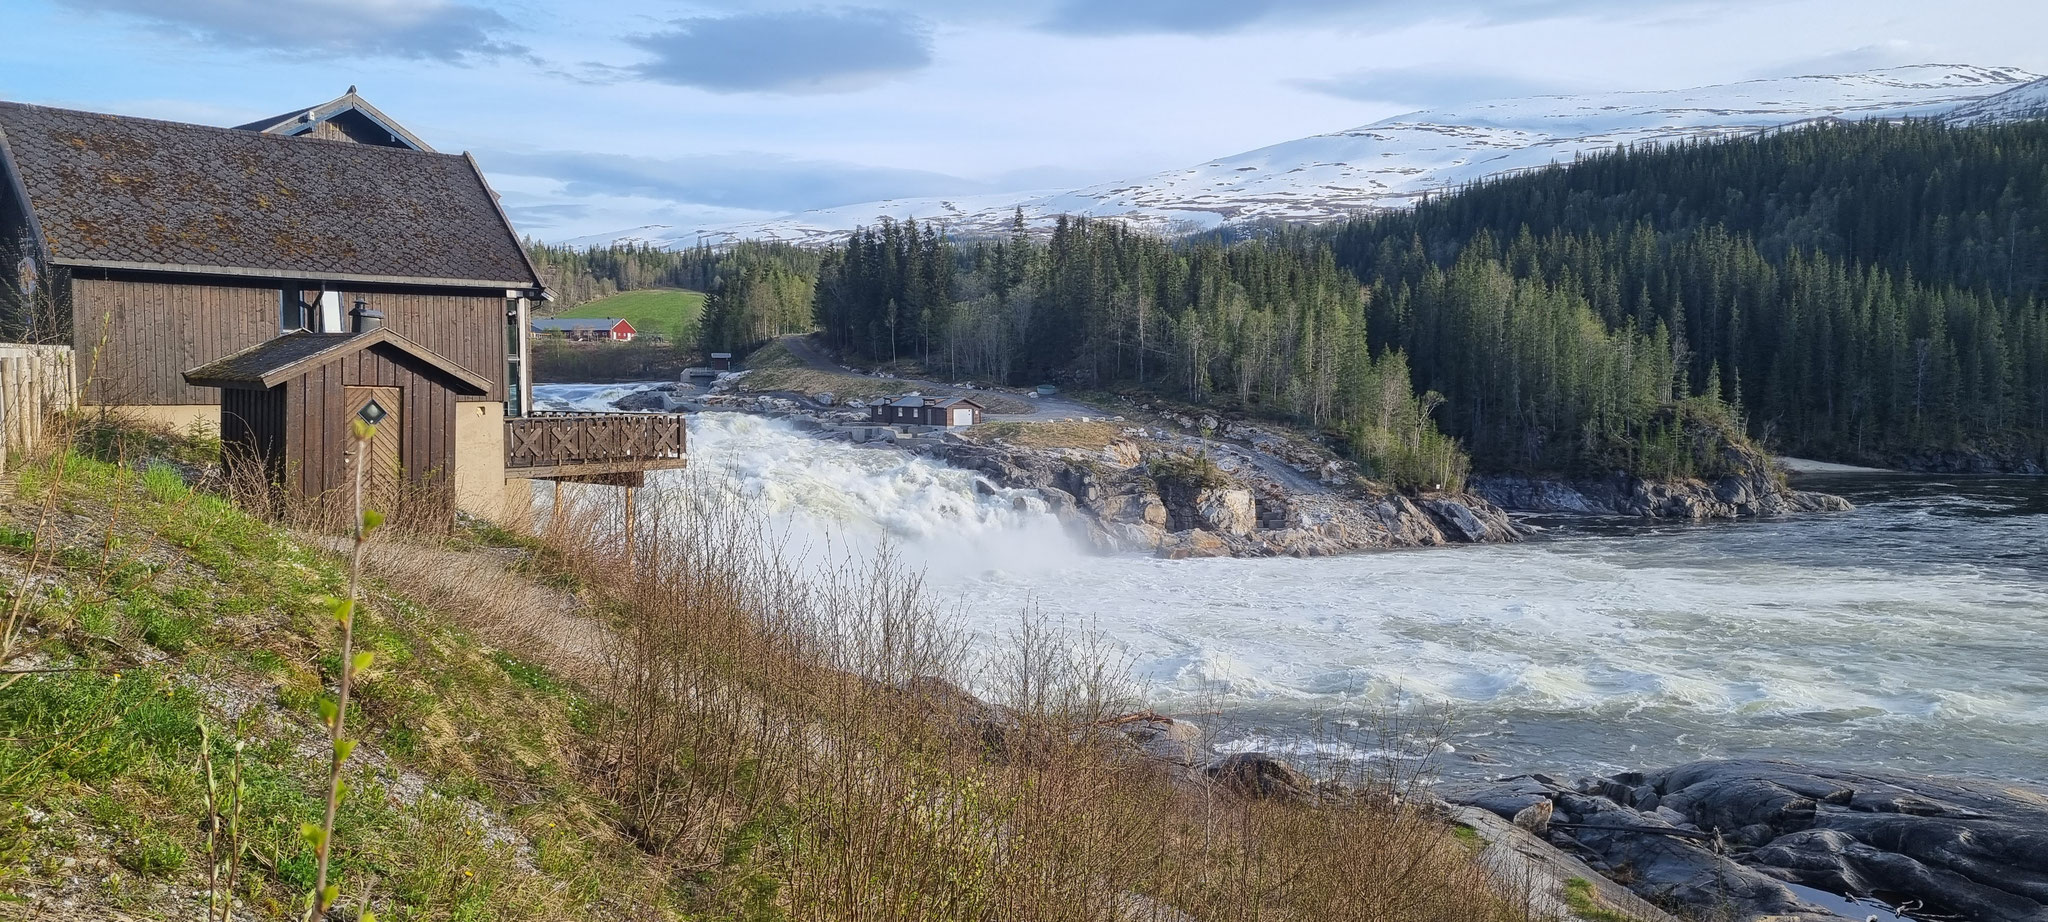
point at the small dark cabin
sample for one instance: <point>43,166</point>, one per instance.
<point>287,405</point>
<point>918,410</point>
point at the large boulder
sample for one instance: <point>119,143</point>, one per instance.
<point>1228,511</point>
<point>1195,543</point>
<point>1724,837</point>
<point>1964,849</point>
<point>1256,774</point>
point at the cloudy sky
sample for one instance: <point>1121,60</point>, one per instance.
<point>694,114</point>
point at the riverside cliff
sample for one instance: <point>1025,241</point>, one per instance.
<point>1750,485</point>
<point>1242,491</point>
<point>1186,484</point>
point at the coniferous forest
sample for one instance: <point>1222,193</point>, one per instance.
<point>1862,292</point>
<point>1867,292</point>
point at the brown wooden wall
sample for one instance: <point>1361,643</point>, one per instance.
<point>315,423</point>
<point>156,328</point>
<point>468,330</point>
<point>252,430</point>
<point>135,339</point>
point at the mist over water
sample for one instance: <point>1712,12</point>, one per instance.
<point>1911,633</point>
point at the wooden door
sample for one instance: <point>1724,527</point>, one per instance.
<point>383,471</point>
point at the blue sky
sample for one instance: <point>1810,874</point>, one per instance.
<point>593,117</point>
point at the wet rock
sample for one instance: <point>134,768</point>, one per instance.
<point>648,400</point>
<point>1195,543</point>
<point>1536,817</point>
<point>1175,741</point>
<point>1256,774</point>
<point>1961,849</point>
<point>1506,798</point>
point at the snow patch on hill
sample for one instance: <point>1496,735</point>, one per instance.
<point>1394,162</point>
<point>2028,101</point>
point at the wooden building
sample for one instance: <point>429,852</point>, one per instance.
<point>158,248</point>
<point>919,410</point>
<point>347,117</point>
<point>287,404</point>
<point>615,329</point>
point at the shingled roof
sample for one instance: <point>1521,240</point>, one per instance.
<point>129,193</point>
<point>270,363</point>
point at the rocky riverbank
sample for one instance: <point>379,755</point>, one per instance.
<point>1256,491</point>
<point>1738,839</point>
<point>1147,490</point>
<point>1754,487</point>
<point>1240,491</point>
<point>1970,461</point>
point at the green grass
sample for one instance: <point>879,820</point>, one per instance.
<point>1584,902</point>
<point>165,606</point>
<point>671,312</point>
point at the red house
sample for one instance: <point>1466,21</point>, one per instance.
<point>615,329</point>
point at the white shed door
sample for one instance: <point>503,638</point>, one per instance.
<point>962,416</point>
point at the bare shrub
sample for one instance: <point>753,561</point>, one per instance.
<point>794,736</point>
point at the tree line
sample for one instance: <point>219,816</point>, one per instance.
<point>1258,329</point>
<point>1863,292</point>
<point>580,274</point>
<point>1860,292</point>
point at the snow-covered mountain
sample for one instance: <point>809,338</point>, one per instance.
<point>1393,162</point>
<point>2025,101</point>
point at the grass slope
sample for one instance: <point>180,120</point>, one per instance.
<point>155,607</point>
<point>668,311</point>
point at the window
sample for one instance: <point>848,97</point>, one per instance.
<point>515,336</point>
<point>330,312</point>
<point>291,311</point>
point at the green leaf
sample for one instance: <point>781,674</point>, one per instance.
<point>362,661</point>
<point>312,833</point>
<point>329,895</point>
<point>343,748</point>
<point>328,711</point>
<point>361,430</point>
<point>371,519</point>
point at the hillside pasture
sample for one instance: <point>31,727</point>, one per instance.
<point>671,312</point>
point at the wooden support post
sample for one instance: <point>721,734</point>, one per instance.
<point>631,530</point>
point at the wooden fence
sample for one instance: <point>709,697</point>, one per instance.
<point>547,445</point>
<point>35,383</point>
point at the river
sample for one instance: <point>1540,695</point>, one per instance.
<point>1911,633</point>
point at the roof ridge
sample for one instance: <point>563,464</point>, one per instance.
<point>234,132</point>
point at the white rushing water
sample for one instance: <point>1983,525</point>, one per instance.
<point>1898,635</point>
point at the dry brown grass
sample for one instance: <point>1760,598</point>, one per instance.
<point>776,369</point>
<point>791,737</point>
<point>1052,434</point>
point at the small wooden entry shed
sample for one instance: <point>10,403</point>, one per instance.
<point>287,404</point>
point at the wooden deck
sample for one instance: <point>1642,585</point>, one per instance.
<point>604,447</point>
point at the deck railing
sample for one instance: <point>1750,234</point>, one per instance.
<point>594,444</point>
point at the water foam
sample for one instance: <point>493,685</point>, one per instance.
<point>1836,638</point>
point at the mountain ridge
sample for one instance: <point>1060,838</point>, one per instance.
<point>1396,161</point>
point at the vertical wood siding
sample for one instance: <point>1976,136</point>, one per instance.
<point>315,420</point>
<point>135,338</point>
<point>466,330</point>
